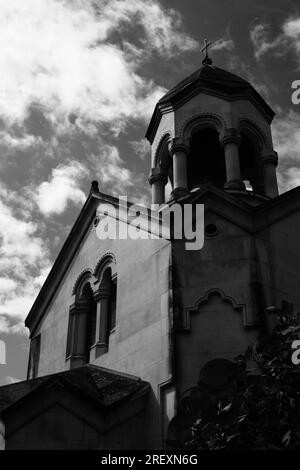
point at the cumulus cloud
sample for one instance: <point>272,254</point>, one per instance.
<point>23,259</point>
<point>52,197</point>
<point>288,178</point>
<point>259,36</point>
<point>61,55</point>
<point>110,170</point>
<point>287,39</point>
<point>141,148</point>
<point>7,284</point>
<point>221,44</point>
<point>13,142</point>
<point>17,237</point>
<point>286,136</point>
<point>71,74</point>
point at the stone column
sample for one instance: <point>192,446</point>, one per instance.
<point>269,161</point>
<point>231,142</point>
<point>102,297</point>
<point>78,355</point>
<point>179,152</point>
<point>158,181</point>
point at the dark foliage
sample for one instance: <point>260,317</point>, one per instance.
<point>255,404</point>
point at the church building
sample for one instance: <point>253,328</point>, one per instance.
<point>123,329</point>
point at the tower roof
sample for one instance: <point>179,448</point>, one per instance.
<point>212,77</point>
<point>212,80</point>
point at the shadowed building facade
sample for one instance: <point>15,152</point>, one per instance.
<point>122,328</point>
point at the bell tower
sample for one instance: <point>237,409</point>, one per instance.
<point>211,143</point>
<point>214,127</point>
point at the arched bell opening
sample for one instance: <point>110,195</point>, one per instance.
<point>206,162</point>
<point>251,172</point>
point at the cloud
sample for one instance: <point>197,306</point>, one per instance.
<point>13,142</point>
<point>110,170</point>
<point>141,148</point>
<point>289,179</point>
<point>64,55</point>
<point>7,284</point>
<point>72,79</point>
<point>17,236</point>
<point>24,257</point>
<point>288,38</point>
<point>52,197</point>
<point>286,137</point>
<point>221,44</point>
<point>259,36</point>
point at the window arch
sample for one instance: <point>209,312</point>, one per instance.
<point>82,325</point>
<point>106,298</point>
<point>92,316</point>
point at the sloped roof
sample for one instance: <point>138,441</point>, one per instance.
<point>208,79</point>
<point>103,386</point>
<point>211,76</point>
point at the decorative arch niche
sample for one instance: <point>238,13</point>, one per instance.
<point>215,327</point>
<point>247,320</point>
<point>92,317</point>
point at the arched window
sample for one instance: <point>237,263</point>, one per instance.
<point>82,326</point>
<point>106,298</point>
<point>92,317</point>
<point>206,161</point>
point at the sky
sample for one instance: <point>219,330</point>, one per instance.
<point>79,80</point>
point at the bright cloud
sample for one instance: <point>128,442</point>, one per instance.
<point>289,37</point>
<point>71,74</point>
<point>60,54</point>
<point>52,197</point>
<point>286,136</point>
<point>7,284</point>
<point>289,179</point>
<point>109,168</point>
<point>23,259</point>
<point>141,148</point>
<point>20,143</point>
<point>221,44</point>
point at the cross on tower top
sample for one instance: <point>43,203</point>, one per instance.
<point>204,50</point>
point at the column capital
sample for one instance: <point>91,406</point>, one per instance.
<point>178,145</point>
<point>156,175</point>
<point>269,156</point>
<point>102,293</point>
<point>79,307</point>
<point>231,136</point>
